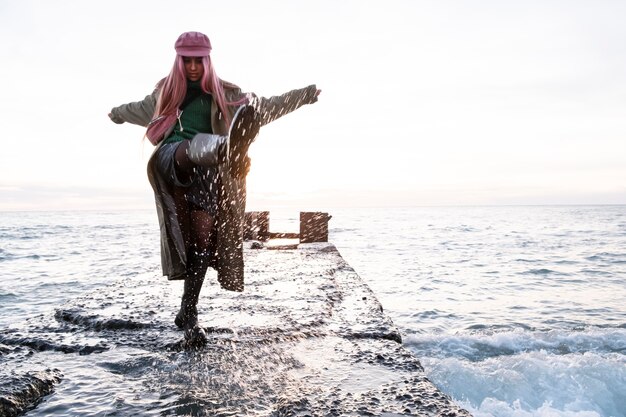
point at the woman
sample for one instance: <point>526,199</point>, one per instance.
<point>199,166</point>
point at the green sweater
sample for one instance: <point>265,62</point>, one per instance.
<point>195,117</point>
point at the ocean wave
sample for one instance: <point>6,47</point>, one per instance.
<point>491,407</point>
<point>7,296</point>
<point>483,344</point>
<point>462,228</point>
<point>109,227</point>
<point>608,257</point>
<point>35,232</point>
<point>566,262</point>
<point>532,261</point>
<point>596,272</point>
<point>535,384</point>
<point>7,256</point>
<point>333,230</point>
<point>542,271</point>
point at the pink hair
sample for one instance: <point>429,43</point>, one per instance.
<point>172,93</point>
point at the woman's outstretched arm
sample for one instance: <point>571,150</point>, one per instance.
<point>138,112</point>
<point>275,107</point>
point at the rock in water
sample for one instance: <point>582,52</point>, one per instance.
<point>22,393</point>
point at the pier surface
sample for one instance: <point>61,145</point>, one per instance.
<point>307,337</point>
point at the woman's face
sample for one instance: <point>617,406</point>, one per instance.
<point>193,67</point>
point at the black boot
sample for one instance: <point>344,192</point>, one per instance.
<point>207,149</point>
<point>179,321</point>
<point>187,317</point>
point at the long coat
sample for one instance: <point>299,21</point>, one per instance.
<point>227,244</point>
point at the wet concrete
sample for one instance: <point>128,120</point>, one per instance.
<point>306,338</point>
<point>20,392</point>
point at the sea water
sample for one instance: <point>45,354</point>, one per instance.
<point>513,311</point>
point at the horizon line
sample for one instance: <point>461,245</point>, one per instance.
<point>282,207</point>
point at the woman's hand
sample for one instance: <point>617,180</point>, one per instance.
<point>115,119</point>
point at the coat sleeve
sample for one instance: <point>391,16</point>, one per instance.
<point>138,112</point>
<point>275,107</point>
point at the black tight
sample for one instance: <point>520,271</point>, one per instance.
<point>196,226</point>
<point>201,228</point>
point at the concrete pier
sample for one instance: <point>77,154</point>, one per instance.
<point>307,337</point>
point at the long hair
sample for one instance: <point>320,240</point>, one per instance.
<point>172,93</point>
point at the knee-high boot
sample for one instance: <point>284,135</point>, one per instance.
<point>207,149</point>
<point>187,317</point>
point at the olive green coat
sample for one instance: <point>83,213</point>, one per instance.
<point>227,245</point>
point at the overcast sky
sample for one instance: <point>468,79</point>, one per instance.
<point>423,102</point>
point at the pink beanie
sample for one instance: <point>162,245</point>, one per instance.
<point>193,44</point>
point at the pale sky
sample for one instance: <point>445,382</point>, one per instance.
<point>423,102</point>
